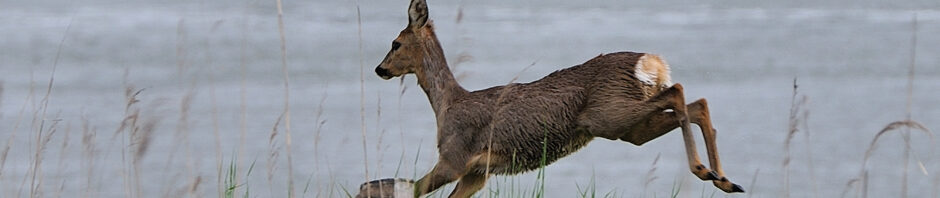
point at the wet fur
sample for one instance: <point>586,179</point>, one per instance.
<point>557,109</point>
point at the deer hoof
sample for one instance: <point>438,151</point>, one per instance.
<point>712,175</point>
<point>727,186</point>
<point>703,173</point>
<point>736,188</point>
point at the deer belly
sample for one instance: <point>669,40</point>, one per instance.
<point>537,153</point>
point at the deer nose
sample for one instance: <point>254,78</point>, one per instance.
<point>382,72</point>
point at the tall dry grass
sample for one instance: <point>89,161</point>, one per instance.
<point>40,117</point>
<point>902,127</point>
<point>651,175</point>
<point>798,119</point>
<point>187,181</point>
<point>362,93</point>
<point>60,168</point>
<point>316,145</point>
<point>287,124</point>
<point>89,156</point>
<point>273,153</point>
<point>136,132</point>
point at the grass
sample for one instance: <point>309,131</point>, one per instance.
<point>797,120</point>
<point>287,124</point>
<point>362,93</point>
<point>902,127</point>
<point>231,184</point>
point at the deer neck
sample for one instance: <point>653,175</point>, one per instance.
<point>435,77</point>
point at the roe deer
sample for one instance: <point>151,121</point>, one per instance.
<point>502,130</point>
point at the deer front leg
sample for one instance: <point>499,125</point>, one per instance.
<point>698,114</point>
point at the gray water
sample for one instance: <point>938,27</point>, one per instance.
<point>212,58</point>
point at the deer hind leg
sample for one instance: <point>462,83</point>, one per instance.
<point>613,120</point>
<point>440,175</point>
<point>653,127</point>
<point>468,184</point>
<point>698,114</point>
<point>663,122</point>
<point>478,168</point>
<point>660,122</point>
<point>675,97</point>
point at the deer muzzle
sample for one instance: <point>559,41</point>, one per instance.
<point>382,72</point>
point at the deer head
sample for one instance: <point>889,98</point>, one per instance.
<point>408,49</point>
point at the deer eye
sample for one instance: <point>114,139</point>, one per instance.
<point>395,45</point>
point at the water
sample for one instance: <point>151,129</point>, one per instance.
<point>851,62</point>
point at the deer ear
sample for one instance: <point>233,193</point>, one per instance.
<point>417,14</point>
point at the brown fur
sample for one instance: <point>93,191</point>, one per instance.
<point>502,130</point>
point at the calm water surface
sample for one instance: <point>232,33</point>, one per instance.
<point>204,67</point>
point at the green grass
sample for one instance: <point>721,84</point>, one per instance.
<point>231,184</point>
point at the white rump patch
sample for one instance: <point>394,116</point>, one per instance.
<point>646,78</point>
<point>653,71</point>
